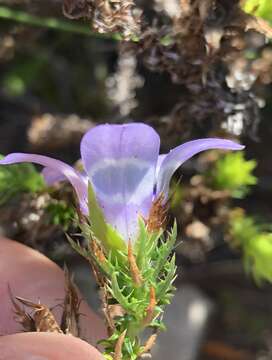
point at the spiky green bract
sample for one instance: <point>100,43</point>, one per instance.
<point>156,264</point>
<point>139,307</point>
<point>101,229</point>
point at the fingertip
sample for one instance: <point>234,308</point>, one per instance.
<point>46,346</point>
<point>31,275</point>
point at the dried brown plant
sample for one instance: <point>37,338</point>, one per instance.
<point>107,16</point>
<point>71,305</point>
<point>41,318</point>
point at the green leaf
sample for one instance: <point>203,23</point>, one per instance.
<point>258,257</point>
<point>234,173</point>
<point>107,357</point>
<point>165,251</point>
<point>165,285</point>
<point>19,178</point>
<point>103,231</point>
<point>140,245</point>
<point>255,244</point>
<point>118,295</point>
<point>145,245</point>
<point>153,256</point>
<point>158,324</point>
<point>259,8</point>
<point>242,228</point>
<point>61,213</point>
<point>129,348</point>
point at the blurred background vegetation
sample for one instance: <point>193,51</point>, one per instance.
<point>190,69</point>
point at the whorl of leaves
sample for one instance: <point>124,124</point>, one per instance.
<point>131,306</point>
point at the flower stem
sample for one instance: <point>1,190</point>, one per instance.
<point>51,23</point>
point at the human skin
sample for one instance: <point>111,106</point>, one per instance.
<point>46,346</point>
<point>31,275</point>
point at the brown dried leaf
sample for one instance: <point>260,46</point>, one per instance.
<point>157,215</point>
<point>70,316</point>
<point>98,252</point>
<point>149,344</point>
<point>116,16</point>
<point>260,25</point>
<point>150,311</point>
<point>43,318</point>
<point>134,270</point>
<point>107,16</point>
<point>107,311</point>
<point>118,346</point>
<point>204,8</point>
<point>21,316</point>
<point>115,311</point>
<point>75,9</point>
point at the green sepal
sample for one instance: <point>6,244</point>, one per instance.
<point>118,294</point>
<point>165,287</point>
<point>103,231</point>
<point>145,245</point>
<point>156,264</point>
<point>164,251</point>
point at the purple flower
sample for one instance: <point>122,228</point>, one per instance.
<point>123,164</point>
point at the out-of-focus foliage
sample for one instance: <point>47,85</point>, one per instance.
<point>177,195</point>
<point>256,245</point>
<point>234,173</point>
<point>20,77</point>
<point>24,178</point>
<point>260,8</point>
<point>15,179</point>
<point>61,214</point>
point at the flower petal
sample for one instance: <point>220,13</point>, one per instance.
<point>58,167</point>
<point>180,154</point>
<point>158,166</point>
<point>120,161</point>
<point>52,176</point>
<point>159,163</point>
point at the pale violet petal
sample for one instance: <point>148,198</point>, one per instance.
<point>159,163</point>
<point>120,161</point>
<point>158,167</point>
<point>176,157</point>
<point>59,167</point>
<point>52,176</point>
